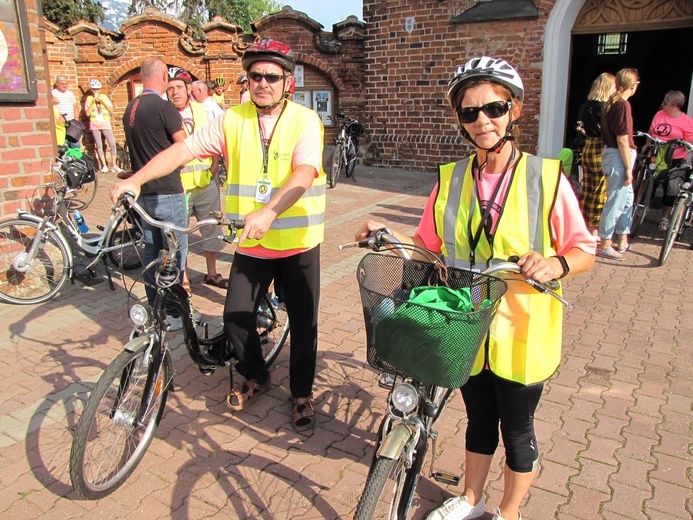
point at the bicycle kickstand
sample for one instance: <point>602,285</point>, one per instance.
<point>108,273</point>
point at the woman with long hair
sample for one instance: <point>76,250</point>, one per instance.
<point>593,195</point>
<point>618,160</point>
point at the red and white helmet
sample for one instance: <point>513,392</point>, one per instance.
<point>495,70</point>
<point>270,50</point>
<point>176,73</point>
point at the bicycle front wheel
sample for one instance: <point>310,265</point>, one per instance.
<point>128,238</point>
<point>26,280</point>
<point>273,328</point>
<point>118,423</point>
<point>383,496</point>
<point>351,152</point>
<point>80,198</point>
<point>336,165</point>
<point>641,205</point>
<point>675,223</point>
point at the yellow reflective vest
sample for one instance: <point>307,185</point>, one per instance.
<point>302,226</point>
<point>525,338</point>
<point>196,173</point>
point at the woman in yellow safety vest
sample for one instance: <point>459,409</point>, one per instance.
<point>498,203</point>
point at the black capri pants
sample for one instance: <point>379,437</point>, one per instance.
<point>490,400</point>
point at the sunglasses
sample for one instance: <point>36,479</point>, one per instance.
<point>269,77</point>
<point>492,110</point>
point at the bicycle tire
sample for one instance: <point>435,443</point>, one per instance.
<point>80,198</point>
<point>351,153</point>
<point>675,222</point>
<point>336,165</point>
<point>128,234</point>
<point>107,446</point>
<point>46,274</point>
<point>380,497</point>
<point>641,205</point>
<point>274,330</point>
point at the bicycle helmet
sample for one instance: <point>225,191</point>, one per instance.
<point>270,50</point>
<point>219,81</point>
<point>95,84</point>
<point>495,70</point>
<point>243,78</point>
<point>176,73</point>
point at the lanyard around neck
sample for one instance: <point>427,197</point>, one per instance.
<point>149,91</point>
<point>266,143</point>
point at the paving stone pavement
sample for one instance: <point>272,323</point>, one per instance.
<point>614,425</point>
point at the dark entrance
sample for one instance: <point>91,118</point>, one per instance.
<point>663,59</point>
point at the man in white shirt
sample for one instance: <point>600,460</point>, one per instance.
<point>200,93</point>
<point>67,104</point>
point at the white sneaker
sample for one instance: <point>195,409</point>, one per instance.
<point>176,323</point>
<point>497,514</point>
<point>458,508</point>
<point>117,169</point>
<point>104,169</point>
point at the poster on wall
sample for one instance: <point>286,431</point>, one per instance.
<point>302,97</point>
<point>17,81</point>
<point>322,104</point>
<point>298,76</point>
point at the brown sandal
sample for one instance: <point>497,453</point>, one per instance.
<point>237,400</point>
<point>303,413</point>
<point>217,281</point>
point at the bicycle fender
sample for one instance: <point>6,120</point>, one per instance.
<point>395,442</point>
<point>137,344</point>
<point>52,227</point>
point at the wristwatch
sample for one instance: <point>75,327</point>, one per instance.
<point>564,265</point>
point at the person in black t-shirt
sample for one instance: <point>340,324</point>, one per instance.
<point>151,125</point>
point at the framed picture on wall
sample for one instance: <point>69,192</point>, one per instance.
<point>298,76</point>
<point>322,104</point>
<point>303,97</point>
<point>17,78</point>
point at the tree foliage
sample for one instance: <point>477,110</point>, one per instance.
<point>65,13</point>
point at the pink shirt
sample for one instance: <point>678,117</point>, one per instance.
<point>567,223</point>
<point>668,128</point>
<point>209,140</point>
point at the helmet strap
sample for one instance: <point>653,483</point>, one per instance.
<point>271,107</point>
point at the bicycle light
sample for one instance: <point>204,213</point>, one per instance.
<point>405,398</point>
<point>139,315</point>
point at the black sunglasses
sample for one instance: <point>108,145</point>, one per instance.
<point>492,110</point>
<point>269,77</point>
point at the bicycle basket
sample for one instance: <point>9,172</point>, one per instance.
<point>355,129</point>
<point>428,344</point>
<point>78,171</point>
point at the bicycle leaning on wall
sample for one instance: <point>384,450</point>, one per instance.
<point>346,148</point>
<point>123,411</point>
<point>35,257</point>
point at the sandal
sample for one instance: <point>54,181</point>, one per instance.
<point>187,287</point>
<point>237,400</point>
<point>611,254</point>
<point>303,413</point>
<point>217,281</point>
<point>664,224</point>
<point>623,248</point>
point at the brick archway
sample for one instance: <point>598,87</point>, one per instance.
<point>323,67</point>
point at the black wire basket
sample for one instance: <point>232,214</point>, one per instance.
<point>427,344</point>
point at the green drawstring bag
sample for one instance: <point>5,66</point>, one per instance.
<point>435,335</point>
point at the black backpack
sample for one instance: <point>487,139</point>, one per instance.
<point>78,171</point>
<point>74,130</point>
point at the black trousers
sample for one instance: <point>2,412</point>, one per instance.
<point>297,279</point>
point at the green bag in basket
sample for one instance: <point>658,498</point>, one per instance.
<point>434,336</point>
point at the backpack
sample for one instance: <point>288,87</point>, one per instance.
<point>74,130</point>
<point>78,171</point>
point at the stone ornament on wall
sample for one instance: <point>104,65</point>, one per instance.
<point>597,15</point>
<point>110,48</point>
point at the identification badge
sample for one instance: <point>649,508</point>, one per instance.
<point>263,190</point>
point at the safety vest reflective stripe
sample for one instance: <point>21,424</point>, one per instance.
<point>237,190</point>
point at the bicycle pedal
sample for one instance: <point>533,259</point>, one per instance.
<point>100,227</point>
<point>446,478</point>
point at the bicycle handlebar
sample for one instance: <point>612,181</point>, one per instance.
<point>383,239</point>
<point>676,142</point>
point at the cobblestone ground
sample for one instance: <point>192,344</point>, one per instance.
<point>614,425</point>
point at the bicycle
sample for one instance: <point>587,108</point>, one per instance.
<point>78,175</point>
<point>124,409</point>
<point>646,167</point>
<point>36,258</point>
<point>681,216</point>
<point>419,386</point>
<point>346,148</point>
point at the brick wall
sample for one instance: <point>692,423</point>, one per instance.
<point>406,75</point>
<point>26,141</point>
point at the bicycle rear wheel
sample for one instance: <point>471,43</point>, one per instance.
<point>641,204</point>
<point>336,165</point>
<point>128,237</point>
<point>351,153</point>
<point>37,280</point>
<point>675,223</point>
<point>273,328</point>
<point>110,441</point>
<point>80,198</point>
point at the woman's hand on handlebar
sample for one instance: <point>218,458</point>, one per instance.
<point>536,267</point>
<point>366,229</point>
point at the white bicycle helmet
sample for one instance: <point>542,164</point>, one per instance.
<point>95,84</point>
<point>492,69</point>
